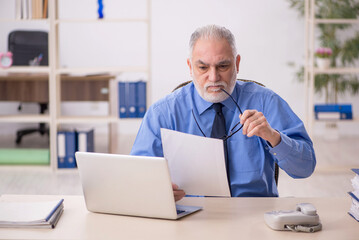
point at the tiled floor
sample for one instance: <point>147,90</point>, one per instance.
<point>331,178</point>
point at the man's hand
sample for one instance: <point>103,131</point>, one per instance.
<point>177,193</point>
<point>255,123</point>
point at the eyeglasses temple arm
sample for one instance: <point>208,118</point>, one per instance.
<point>230,135</point>
<point>198,124</point>
<point>233,100</point>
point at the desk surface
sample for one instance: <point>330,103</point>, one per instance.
<point>221,218</point>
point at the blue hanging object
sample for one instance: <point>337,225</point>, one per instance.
<point>100,9</point>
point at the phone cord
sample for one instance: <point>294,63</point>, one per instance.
<point>305,228</point>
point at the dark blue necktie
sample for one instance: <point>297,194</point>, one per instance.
<point>219,123</point>
<point>219,131</point>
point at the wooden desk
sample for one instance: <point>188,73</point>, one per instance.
<point>221,218</point>
<point>34,87</point>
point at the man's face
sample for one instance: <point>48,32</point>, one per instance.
<point>213,67</point>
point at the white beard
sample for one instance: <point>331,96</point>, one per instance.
<point>219,95</point>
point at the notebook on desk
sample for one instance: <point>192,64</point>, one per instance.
<point>129,185</point>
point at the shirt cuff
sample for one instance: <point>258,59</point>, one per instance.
<point>283,148</point>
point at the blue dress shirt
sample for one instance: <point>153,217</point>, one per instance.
<point>251,159</point>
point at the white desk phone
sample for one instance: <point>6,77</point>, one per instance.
<point>303,219</point>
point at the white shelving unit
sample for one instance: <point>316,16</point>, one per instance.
<point>309,69</point>
<point>54,119</point>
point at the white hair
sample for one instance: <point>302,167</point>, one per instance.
<point>212,32</point>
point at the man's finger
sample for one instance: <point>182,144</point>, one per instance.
<point>174,186</point>
<point>246,114</point>
<point>178,194</point>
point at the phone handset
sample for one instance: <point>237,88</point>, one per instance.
<point>303,219</point>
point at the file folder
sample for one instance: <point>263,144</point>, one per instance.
<point>122,100</point>
<point>333,111</point>
<point>141,99</point>
<point>131,99</point>
<point>66,149</point>
<point>85,140</point>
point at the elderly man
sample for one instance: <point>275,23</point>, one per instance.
<point>211,106</point>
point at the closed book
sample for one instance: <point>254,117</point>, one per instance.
<point>122,100</point>
<point>141,99</point>
<point>30,214</point>
<point>18,9</point>
<point>25,7</point>
<point>85,140</point>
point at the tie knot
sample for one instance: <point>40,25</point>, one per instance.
<point>217,107</point>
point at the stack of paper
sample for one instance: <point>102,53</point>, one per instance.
<point>354,210</point>
<point>30,214</point>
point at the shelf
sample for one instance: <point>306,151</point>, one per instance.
<point>95,119</point>
<point>335,21</point>
<point>129,120</point>
<point>113,20</point>
<point>86,119</point>
<point>25,118</point>
<point>336,71</point>
<point>354,120</point>
<point>27,167</point>
<point>52,74</point>
<point>311,36</point>
<point>10,20</point>
<point>25,69</point>
<point>95,70</point>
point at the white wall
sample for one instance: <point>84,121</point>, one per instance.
<point>269,35</point>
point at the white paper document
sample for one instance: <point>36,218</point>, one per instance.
<point>196,164</point>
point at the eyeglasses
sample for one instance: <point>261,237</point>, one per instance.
<point>232,131</point>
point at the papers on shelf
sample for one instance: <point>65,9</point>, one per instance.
<point>196,164</point>
<point>354,209</point>
<point>30,214</point>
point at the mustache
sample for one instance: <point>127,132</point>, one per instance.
<point>218,84</point>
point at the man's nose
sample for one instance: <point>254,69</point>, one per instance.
<point>213,75</point>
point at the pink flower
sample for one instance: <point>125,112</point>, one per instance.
<point>323,52</point>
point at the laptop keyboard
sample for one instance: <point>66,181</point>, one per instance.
<point>180,211</point>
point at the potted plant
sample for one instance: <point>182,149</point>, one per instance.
<point>323,55</point>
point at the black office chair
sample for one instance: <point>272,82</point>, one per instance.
<point>276,167</point>
<point>25,46</point>
<point>42,129</point>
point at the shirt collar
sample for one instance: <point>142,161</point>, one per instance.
<point>202,105</point>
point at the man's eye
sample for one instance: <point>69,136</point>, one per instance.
<point>202,67</point>
<point>223,67</point>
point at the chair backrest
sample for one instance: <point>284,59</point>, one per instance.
<point>276,167</point>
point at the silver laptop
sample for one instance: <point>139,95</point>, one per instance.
<point>128,185</point>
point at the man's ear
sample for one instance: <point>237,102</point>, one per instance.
<point>189,65</point>
<point>238,59</point>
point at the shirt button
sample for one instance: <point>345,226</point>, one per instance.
<point>266,147</point>
<point>274,154</point>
